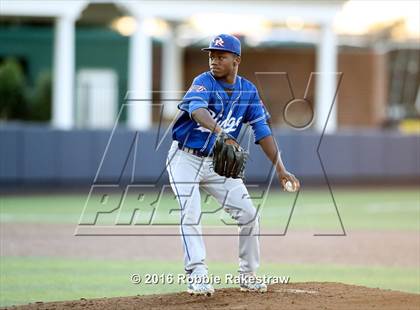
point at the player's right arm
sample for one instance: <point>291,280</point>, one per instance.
<point>196,101</point>
<point>203,117</point>
<point>197,96</point>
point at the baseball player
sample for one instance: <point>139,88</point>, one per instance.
<point>214,109</point>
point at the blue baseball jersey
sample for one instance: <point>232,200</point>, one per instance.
<point>230,112</point>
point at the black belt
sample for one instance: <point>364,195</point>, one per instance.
<point>195,152</point>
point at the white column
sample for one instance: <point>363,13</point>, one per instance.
<point>64,68</point>
<point>140,80</point>
<point>172,74</point>
<point>326,81</point>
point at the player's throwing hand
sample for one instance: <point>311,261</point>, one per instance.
<point>289,182</point>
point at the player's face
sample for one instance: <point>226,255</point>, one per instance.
<point>222,64</point>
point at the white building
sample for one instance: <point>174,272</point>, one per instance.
<point>204,14</point>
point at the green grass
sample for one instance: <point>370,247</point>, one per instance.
<point>30,279</point>
<point>370,209</point>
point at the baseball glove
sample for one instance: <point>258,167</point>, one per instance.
<point>229,158</point>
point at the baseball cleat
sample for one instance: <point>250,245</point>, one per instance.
<point>200,289</point>
<point>258,288</point>
<point>250,283</point>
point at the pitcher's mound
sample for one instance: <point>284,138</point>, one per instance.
<point>311,295</point>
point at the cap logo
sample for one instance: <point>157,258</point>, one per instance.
<point>219,42</point>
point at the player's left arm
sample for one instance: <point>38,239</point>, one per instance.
<point>271,150</point>
<point>260,121</point>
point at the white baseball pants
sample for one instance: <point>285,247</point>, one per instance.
<point>189,173</point>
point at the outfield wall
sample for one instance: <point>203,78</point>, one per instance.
<point>32,154</point>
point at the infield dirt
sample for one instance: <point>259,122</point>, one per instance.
<point>311,295</point>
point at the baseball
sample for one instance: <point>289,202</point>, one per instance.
<point>289,187</point>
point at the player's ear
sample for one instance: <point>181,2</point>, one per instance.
<point>237,60</point>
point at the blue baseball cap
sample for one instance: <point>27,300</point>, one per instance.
<point>225,42</point>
